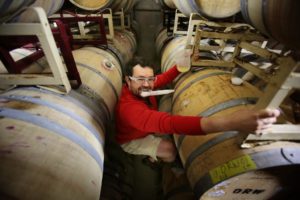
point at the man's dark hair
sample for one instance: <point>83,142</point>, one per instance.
<point>135,61</point>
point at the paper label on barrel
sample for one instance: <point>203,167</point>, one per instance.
<point>232,168</point>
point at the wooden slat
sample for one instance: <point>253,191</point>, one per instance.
<point>252,68</point>
<point>258,51</point>
<point>216,63</point>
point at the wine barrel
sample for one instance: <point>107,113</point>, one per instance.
<point>10,8</point>
<point>271,183</point>
<point>185,7</point>
<point>102,75</point>
<point>171,51</point>
<point>165,103</point>
<point>174,48</point>
<point>209,8</point>
<point>123,44</point>
<point>91,4</point>
<point>51,145</point>
<point>213,161</point>
<point>115,5</point>
<point>278,19</point>
<point>50,7</point>
<point>162,39</point>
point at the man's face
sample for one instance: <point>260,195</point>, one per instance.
<point>142,79</point>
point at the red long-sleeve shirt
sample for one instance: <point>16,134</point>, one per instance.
<point>135,118</point>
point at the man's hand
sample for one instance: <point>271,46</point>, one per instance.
<point>254,121</point>
<point>183,60</point>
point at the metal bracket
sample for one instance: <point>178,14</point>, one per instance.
<point>43,32</point>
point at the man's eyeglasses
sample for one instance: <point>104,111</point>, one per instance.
<point>141,80</point>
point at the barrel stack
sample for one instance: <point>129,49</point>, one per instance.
<point>52,144</point>
<point>216,166</point>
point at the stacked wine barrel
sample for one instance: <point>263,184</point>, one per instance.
<point>275,19</point>
<point>216,166</point>
<point>52,144</point>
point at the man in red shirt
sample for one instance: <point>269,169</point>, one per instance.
<point>137,118</point>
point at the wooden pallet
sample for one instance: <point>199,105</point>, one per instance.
<point>279,80</point>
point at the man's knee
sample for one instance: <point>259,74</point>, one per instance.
<point>166,151</point>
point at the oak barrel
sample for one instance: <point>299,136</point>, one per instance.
<point>209,8</point>
<point>278,19</point>
<point>162,39</point>
<point>215,164</point>
<point>10,8</point>
<point>51,147</point>
<point>51,144</point>
<point>91,4</point>
<point>49,6</point>
<point>124,44</point>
